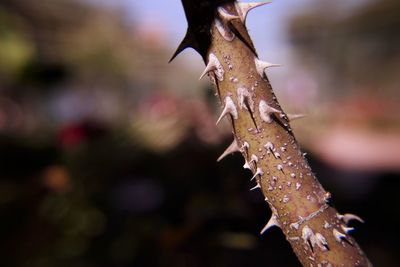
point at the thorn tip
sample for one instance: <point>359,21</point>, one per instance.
<point>232,148</point>
<point>271,223</point>
<point>262,65</point>
<point>292,117</point>
<point>230,108</point>
<point>258,172</point>
<point>350,217</point>
<point>255,187</point>
<point>244,8</point>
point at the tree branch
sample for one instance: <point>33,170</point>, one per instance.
<point>300,206</point>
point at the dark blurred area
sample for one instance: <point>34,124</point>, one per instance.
<point>108,154</point>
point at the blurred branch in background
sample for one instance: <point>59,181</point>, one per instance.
<point>355,59</point>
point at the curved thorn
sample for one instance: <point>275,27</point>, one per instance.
<point>244,8</point>
<point>232,148</point>
<point>349,217</point>
<point>262,65</point>
<point>229,108</point>
<point>271,223</point>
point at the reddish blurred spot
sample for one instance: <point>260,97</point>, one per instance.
<point>56,178</point>
<point>75,134</point>
<point>71,135</point>
<point>355,149</point>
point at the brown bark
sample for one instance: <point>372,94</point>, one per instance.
<point>262,133</point>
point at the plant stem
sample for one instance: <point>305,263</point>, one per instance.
<point>262,133</point>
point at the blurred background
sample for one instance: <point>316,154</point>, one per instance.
<point>108,153</point>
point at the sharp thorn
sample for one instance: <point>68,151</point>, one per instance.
<point>266,111</point>
<point>349,217</point>
<point>258,172</point>
<point>229,108</point>
<point>262,65</point>
<point>292,117</point>
<point>246,165</point>
<point>188,41</point>
<point>232,148</point>
<point>255,187</point>
<point>213,65</point>
<point>271,223</point>
<point>244,8</point>
<point>210,67</point>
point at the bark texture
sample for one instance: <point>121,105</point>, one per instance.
<point>300,206</point>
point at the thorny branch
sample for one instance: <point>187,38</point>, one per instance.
<point>318,234</point>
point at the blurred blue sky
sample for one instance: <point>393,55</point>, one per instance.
<point>267,26</point>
